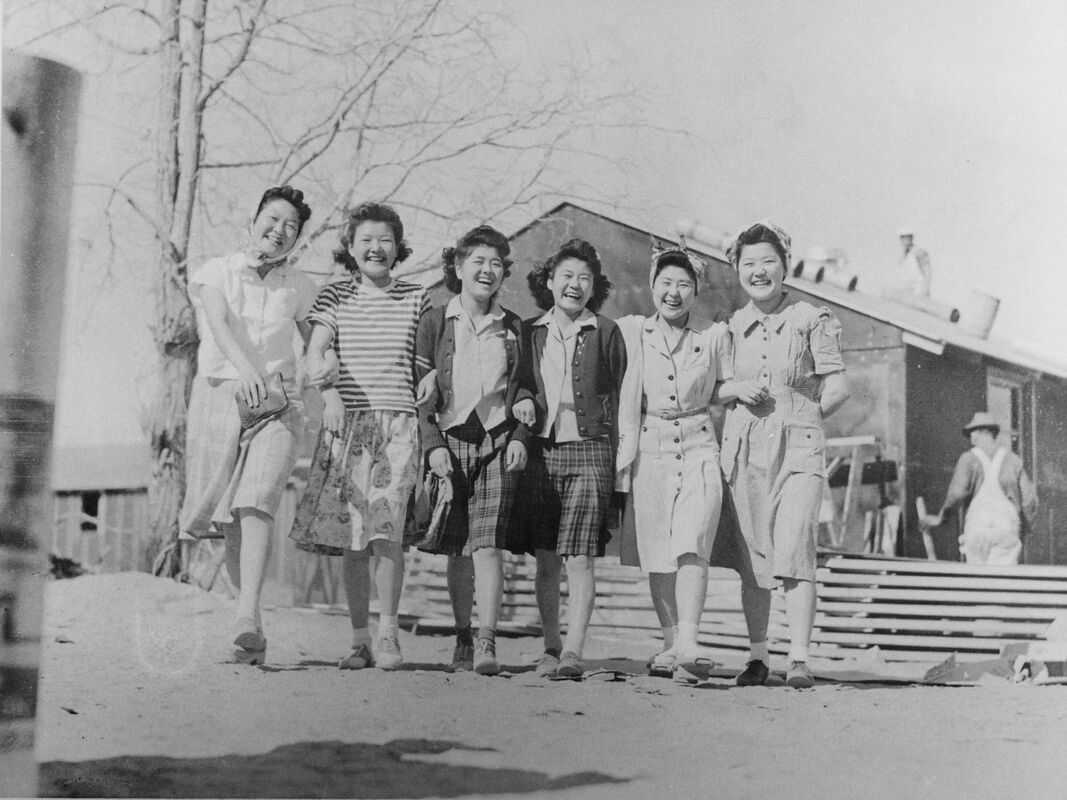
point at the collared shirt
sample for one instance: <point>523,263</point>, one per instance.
<point>266,311</point>
<point>681,377</point>
<point>556,373</point>
<point>791,346</point>
<point>480,374</point>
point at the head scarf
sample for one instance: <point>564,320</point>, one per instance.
<point>734,251</point>
<point>659,252</point>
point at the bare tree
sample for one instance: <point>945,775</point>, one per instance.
<point>410,101</point>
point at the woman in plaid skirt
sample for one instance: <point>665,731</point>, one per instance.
<point>470,434</point>
<point>574,368</point>
<point>248,306</point>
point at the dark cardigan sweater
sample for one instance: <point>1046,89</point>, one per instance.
<point>435,348</point>
<point>597,370</point>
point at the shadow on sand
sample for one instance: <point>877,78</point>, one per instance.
<point>305,769</point>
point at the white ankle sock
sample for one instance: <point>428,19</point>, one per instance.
<point>798,652</point>
<point>687,636</point>
<point>757,651</point>
<point>388,623</point>
<point>360,636</point>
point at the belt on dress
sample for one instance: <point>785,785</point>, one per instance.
<point>670,414</point>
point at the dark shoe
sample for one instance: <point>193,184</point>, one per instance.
<point>800,675</point>
<point>755,674</point>
<point>359,658</point>
<point>485,662</point>
<point>462,658</point>
<point>693,669</point>
<point>250,645</point>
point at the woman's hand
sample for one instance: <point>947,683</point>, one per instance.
<point>254,387</point>
<point>751,393</point>
<point>333,412</point>
<point>440,461</point>
<point>525,412</point>
<point>515,458</point>
<point>426,392</point>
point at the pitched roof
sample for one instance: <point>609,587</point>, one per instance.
<point>934,333</point>
<point>926,330</point>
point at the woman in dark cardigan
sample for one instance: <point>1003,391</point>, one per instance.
<point>574,368</point>
<point>470,432</point>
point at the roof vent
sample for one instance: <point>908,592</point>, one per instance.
<point>978,313</point>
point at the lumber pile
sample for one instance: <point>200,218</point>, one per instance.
<point>923,610</point>
<point>892,609</point>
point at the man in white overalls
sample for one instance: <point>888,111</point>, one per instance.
<point>995,495</point>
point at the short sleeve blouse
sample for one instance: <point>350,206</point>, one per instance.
<point>266,311</point>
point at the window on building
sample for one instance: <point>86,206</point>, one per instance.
<point>90,510</point>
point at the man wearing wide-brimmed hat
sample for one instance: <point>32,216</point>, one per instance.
<point>995,512</point>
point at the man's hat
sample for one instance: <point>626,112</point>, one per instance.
<point>980,420</point>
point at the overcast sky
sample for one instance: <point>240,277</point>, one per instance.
<point>841,121</point>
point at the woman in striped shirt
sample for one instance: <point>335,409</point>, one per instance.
<point>366,463</point>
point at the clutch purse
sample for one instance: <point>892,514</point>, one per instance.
<point>274,404</point>
<point>428,512</point>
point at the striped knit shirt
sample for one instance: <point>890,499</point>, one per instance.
<point>374,336</point>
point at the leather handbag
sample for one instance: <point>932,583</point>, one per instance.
<point>428,512</point>
<point>270,407</point>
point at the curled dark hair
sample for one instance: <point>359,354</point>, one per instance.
<point>755,235</point>
<point>370,212</point>
<point>453,257</point>
<point>293,197</point>
<point>579,249</point>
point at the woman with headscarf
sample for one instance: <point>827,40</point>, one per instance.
<point>677,365</point>
<point>773,445</point>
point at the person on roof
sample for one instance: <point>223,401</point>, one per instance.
<point>996,498</point>
<point>915,270</point>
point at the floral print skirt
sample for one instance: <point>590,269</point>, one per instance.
<point>360,483</point>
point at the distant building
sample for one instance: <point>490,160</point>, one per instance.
<point>915,377</point>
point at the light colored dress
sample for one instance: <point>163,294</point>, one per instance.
<point>773,453</point>
<point>676,484</point>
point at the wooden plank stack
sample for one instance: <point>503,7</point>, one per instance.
<point>891,609</point>
<point>925,610</point>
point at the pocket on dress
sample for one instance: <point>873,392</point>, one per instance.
<point>805,450</point>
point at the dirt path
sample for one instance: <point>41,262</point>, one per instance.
<point>135,689</point>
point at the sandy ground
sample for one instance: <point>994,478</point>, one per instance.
<point>137,699</point>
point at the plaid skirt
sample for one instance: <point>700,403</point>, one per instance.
<point>564,497</point>
<point>360,484</point>
<point>483,489</point>
<point>228,468</point>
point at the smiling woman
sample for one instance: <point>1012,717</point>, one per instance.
<point>471,348</point>
<point>786,357</point>
<point>248,307</point>
<point>573,367</point>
